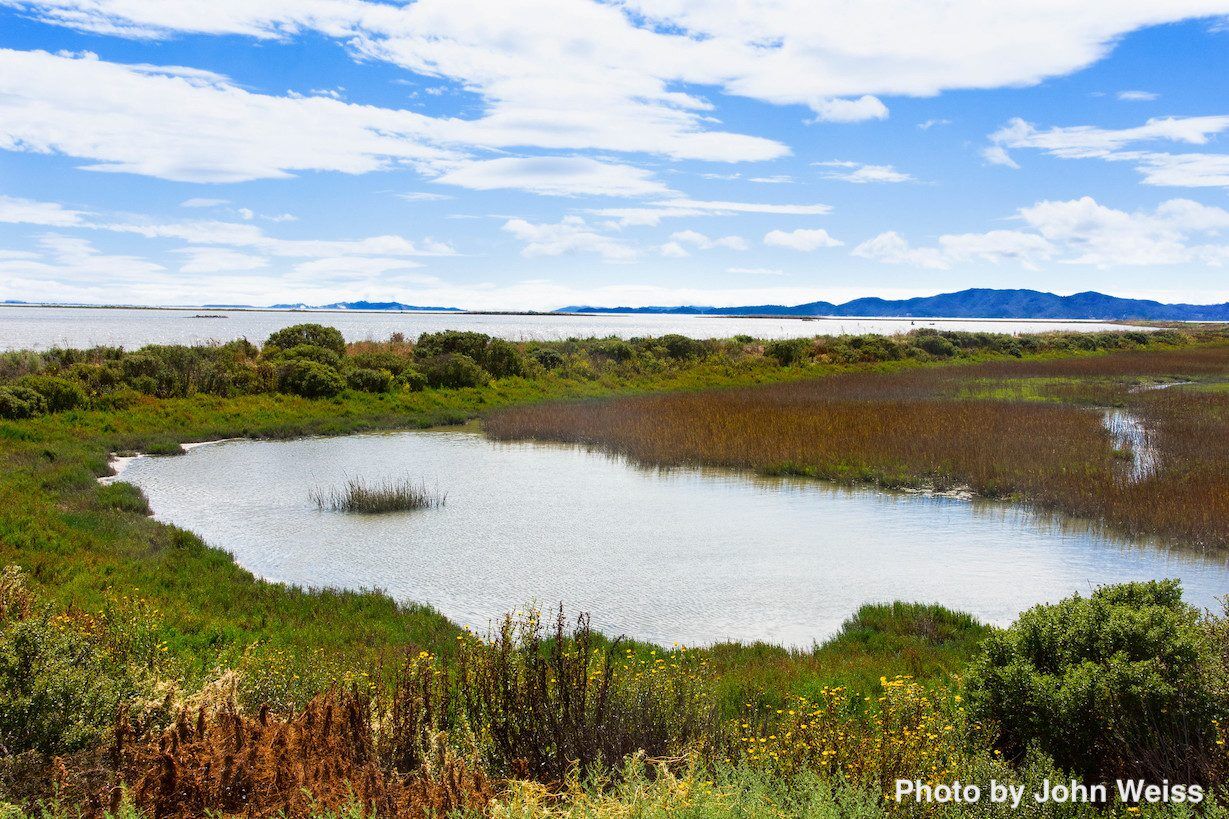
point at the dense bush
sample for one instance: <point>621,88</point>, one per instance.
<point>59,689</point>
<point>308,352</point>
<point>474,345</point>
<point>612,349</point>
<point>20,402</point>
<point>310,380</point>
<point>380,360</point>
<point>502,360</point>
<point>412,379</point>
<point>1114,685</point>
<point>366,380</point>
<point>788,351</point>
<point>681,347</point>
<point>316,335</point>
<point>453,370</point>
<point>934,344</point>
<point>59,393</point>
<point>548,359</point>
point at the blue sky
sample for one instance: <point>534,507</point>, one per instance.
<point>528,155</point>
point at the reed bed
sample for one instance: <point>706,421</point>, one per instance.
<point>1027,433</point>
<point>389,495</point>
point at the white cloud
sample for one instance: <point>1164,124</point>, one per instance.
<point>932,123</point>
<point>203,202</point>
<point>1137,96</point>
<point>861,109</point>
<point>570,235</point>
<point>555,176</point>
<point>217,260</point>
<point>1079,232</point>
<point>556,74</point>
<point>424,196</point>
<point>28,212</point>
<point>801,239</point>
<point>703,242</point>
<point>653,213</point>
<point>775,179</point>
<point>755,271</point>
<point>890,247</point>
<point>1111,145</point>
<point>862,174</point>
<point>674,250</point>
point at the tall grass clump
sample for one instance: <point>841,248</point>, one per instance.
<point>389,495</point>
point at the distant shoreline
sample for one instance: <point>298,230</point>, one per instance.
<point>551,314</point>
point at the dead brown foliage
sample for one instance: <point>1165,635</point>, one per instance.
<point>225,762</point>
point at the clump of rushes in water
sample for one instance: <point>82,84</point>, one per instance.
<point>391,495</point>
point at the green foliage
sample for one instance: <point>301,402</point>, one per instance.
<point>935,344</point>
<point>474,345</point>
<point>788,351</point>
<point>310,379</point>
<point>502,360</point>
<point>612,349</point>
<point>366,380</point>
<point>412,379</point>
<point>60,690</point>
<point>681,347</point>
<point>549,359</point>
<point>20,402</point>
<point>1111,686</point>
<point>453,370</point>
<point>316,335</point>
<point>123,496</point>
<point>59,393</point>
<point>380,360</point>
<point>308,352</point>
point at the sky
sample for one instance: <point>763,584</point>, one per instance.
<point>534,154</point>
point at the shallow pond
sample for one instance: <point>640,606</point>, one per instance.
<point>682,556</point>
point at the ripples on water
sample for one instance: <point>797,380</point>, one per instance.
<point>670,556</point>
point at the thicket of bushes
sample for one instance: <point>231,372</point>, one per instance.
<point>314,361</point>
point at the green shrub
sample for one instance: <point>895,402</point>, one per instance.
<point>612,349</point>
<point>934,344</point>
<point>380,360</point>
<point>1110,686</point>
<point>59,393</point>
<point>412,379</point>
<point>548,359</point>
<point>315,335</point>
<point>308,352</point>
<point>123,496</point>
<point>20,402</point>
<point>681,347</point>
<point>310,379</point>
<point>366,380</point>
<point>502,360</point>
<point>60,690</point>
<point>454,370</point>
<point>474,345</point>
<point>788,351</point>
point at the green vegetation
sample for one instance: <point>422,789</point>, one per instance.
<point>359,495</point>
<point>140,656</point>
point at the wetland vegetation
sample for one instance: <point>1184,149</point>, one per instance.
<point>144,673</point>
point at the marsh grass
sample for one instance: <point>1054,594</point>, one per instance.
<point>373,498</point>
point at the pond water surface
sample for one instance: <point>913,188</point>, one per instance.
<point>684,556</point>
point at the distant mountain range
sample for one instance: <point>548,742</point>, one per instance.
<point>972,303</point>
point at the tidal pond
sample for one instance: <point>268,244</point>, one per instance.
<point>687,556</point>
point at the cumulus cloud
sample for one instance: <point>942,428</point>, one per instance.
<point>28,212</point>
<point>1193,169</point>
<point>801,239</point>
<point>861,174</point>
<point>555,176</point>
<point>703,242</point>
<point>1079,232</point>
<point>559,74</point>
<point>568,236</point>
